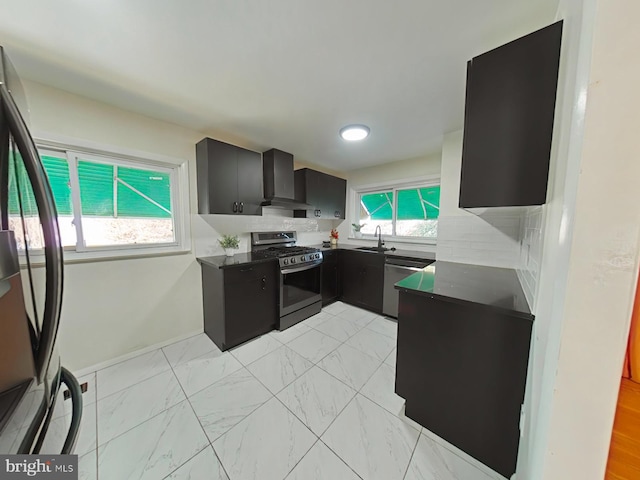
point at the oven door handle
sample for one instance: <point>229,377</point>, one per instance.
<point>299,269</point>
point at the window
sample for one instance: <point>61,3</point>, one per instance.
<point>402,212</point>
<point>105,203</point>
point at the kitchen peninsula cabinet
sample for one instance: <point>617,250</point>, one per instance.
<point>463,350</point>
<point>325,193</point>
<point>240,302</point>
<point>229,179</point>
<point>362,276</point>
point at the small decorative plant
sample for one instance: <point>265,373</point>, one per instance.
<point>229,243</point>
<point>334,234</point>
<point>356,229</point>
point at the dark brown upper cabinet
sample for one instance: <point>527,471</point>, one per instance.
<point>508,123</point>
<point>229,179</point>
<point>325,194</point>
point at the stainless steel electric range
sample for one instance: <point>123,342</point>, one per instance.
<point>300,274</point>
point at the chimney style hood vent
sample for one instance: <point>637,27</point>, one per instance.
<point>277,170</point>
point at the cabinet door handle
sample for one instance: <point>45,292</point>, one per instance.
<point>246,269</point>
<point>264,283</point>
<point>241,207</point>
<point>235,207</point>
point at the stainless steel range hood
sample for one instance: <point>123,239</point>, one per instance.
<point>277,170</point>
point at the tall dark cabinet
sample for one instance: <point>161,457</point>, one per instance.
<point>325,193</point>
<point>508,124</point>
<point>229,179</point>
<point>240,302</point>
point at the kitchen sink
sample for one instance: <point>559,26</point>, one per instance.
<point>373,249</point>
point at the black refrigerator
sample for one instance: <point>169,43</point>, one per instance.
<point>32,379</point>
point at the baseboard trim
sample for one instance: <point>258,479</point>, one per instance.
<point>464,455</point>
<point>127,356</point>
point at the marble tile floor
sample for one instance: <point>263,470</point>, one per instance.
<point>316,401</point>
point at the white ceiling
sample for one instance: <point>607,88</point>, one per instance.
<point>283,73</point>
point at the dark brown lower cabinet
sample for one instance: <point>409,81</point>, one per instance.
<point>330,288</point>
<point>362,277</point>
<point>462,369</point>
<point>240,302</point>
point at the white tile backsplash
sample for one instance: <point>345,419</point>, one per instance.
<point>207,229</point>
<point>492,240</point>
<point>530,252</point>
<point>497,239</point>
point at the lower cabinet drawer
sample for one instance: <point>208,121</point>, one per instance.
<point>245,273</point>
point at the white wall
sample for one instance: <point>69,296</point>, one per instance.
<point>604,253</point>
<point>398,170</point>
<point>590,256</point>
<point>111,308</point>
<point>491,239</point>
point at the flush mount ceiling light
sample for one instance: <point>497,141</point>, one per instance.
<point>354,132</point>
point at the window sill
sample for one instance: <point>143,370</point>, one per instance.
<point>70,258</point>
<point>410,241</point>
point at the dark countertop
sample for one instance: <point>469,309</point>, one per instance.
<point>409,254</point>
<point>222,261</point>
<point>458,282</point>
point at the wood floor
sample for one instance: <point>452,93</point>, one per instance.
<point>624,454</point>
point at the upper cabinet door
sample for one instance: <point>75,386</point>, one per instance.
<point>325,193</point>
<point>229,179</point>
<point>217,174</point>
<point>249,182</point>
<point>316,192</point>
<point>508,125</point>
<point>337,188</point>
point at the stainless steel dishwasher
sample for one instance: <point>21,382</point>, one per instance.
<point>395,269</point>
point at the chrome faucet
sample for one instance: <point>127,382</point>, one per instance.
<point>379,232</point>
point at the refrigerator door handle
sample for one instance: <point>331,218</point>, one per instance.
<point>50,230</point>
<point>68,379</point>
<point>76,398</point>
